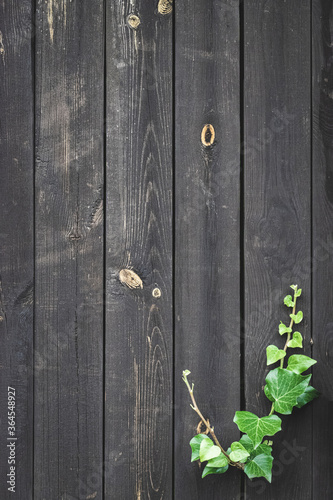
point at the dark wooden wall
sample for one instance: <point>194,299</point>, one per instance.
<point>103,169</point>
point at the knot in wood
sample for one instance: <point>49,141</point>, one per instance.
<point>74,236</point>
<point>133,21</point>
<point>208,135</point>
<point>130,278</point>
<point>164,7</point>
<point>157,293</point>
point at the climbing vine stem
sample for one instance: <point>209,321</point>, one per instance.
<point>285,388</point>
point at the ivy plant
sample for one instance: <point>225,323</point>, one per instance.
<point>286,388</point>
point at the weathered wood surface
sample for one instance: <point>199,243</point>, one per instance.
<point>277,202</point>
<point>207,235</point>
<point>16,241</point>
<point>322,197</point>
<point>69,250</point>
<point>139,348</point>
<point>197,126</point>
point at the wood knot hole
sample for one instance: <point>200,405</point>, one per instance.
<point>133,21</point>
<point>73,236</point>
<point>157,293</point>
<point>130,278</point>
<point>164,7</point>
<point>208,135</point>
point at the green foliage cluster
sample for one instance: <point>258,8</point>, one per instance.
<point>285,388</point>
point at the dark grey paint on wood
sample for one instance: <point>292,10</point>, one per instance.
<point>138,353</point>
<point>277,202</point>
<point>322,245</point>
<point>16,239</point>
<point>69,250</point>
<point>281,208</point>
<point>207,225</point>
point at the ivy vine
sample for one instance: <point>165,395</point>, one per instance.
<point>285,388</point>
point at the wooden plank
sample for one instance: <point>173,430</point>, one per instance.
<point>277,180</point>
<point>322,246</point>
<point>138,359</point>
<point>16,245</point>
<point>207,260</point>
<point>69,250</point>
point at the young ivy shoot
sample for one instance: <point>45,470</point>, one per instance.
<point>285,388</point>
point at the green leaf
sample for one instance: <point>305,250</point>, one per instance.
<point>284,387</point>
<point>195,445</point>
<point>208,450</point>
<point>238,452</point>
<point>297,317</point>
<point>296,341</point>
<point>260,466</point>
<point>219,461</point>
<point>308,395</point>
<point>298,293</point>
<point>255,427</point>
<point>288,301</point>
<point>294,287</point>
<point>263,448</point>
<point>298,363</point>
<point>284,329</point>
<point>247,443</point>
<point>268,394</point>
<point>214,470</point>
<point>274,354</point>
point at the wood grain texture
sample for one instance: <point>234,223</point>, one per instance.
<point>139,348</point>
<point>69,250</point>
<point>322,245</point>
<point>16,240</point>
<point>207,205</point>
<point>277,184</point>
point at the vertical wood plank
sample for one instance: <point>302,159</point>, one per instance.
<point>207,207</point>
<point>277,180</point>
<point>139,359</point>
<point>69,250</point>
<point>16,244</point>
<point>322,246</point>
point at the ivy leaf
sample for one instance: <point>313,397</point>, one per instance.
<point>308,395</point>
<point>247,443</point>
<point>274,354</point>
<point>297,317</point>
<point>284,387</point>
<point>263,448</point>
<point>268,394</point>
<point>296,341</point>
<point>256,428</point>
<point>288,301</point>
<point>238,452</point>
<point>260,466</point>
<point>219,461</point>
<point>294,287</point>
<point>195,445</point>
<point>298,363</point>
<point>208,450</point>
<point>284,329</point>
<point>214,470</point>
<point>298,293</point>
